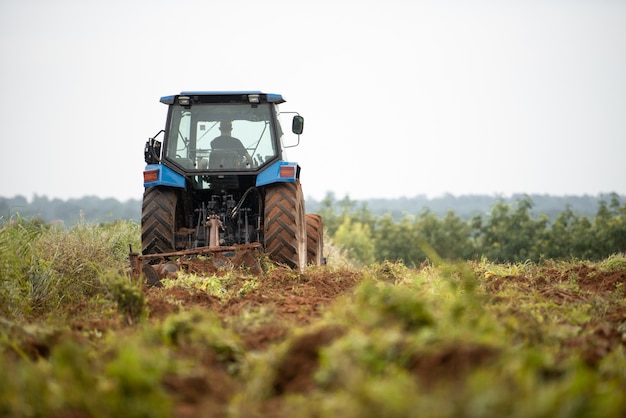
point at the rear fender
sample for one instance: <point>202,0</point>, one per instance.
<point>279,172</point>
<point>160,175</point>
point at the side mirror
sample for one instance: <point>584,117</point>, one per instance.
<point>297,124</point>
<point>152,151</point>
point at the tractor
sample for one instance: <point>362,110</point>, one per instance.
<point>217,184</point>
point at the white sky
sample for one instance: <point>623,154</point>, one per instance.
<point>400,98</point>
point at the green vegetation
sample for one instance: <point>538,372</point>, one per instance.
<point>518,229</point>
<point>94,209</point>
<point>72,211</point>
<point>44,268</point>
<point>509,232</point>
<point>448,339</point>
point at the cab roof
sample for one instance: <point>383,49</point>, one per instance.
<point>271,98</point>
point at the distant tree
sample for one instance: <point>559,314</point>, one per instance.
<point>327,211</point>
<point>557,242</point>
<point>397,241</point>
<point>455,240</point>
<point>602,238</point>
<point>510,233</point>
<point>618,226</point>
<point>609,228</point>
<point>581,239</point>
<point>356,238</point>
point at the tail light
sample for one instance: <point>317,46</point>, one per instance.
<point>150,176</point>
<point>288,171</point>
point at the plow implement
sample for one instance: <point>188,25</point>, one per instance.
<point>155,267</point>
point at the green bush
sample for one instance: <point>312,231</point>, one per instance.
<point>44,267</point>
<point>509,232</point>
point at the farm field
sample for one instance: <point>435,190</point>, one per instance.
<point>467,339</point>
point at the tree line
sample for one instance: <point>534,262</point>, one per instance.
<point>96,210</point>
<point>508,232</point>
<point>90,209</point>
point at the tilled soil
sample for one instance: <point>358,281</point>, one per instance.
<point>301,300</point>
<point>291,300</point>
<point>295,301</point>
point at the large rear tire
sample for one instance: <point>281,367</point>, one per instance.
<point>158,220</point>
<point>314,239</point>
<point>285,225</point>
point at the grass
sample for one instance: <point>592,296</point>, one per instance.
<point>45,268</point>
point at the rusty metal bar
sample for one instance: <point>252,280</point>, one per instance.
<point>155,272</point>
<point>202,251</point>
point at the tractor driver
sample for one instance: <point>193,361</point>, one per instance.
<point>226,142</point>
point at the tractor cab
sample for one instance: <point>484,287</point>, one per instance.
<point>209,135</point>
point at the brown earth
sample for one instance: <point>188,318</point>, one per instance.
<point>291,300</point>
<point>599,336</point>
<point>303,302</point>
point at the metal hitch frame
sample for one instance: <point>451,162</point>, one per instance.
<point>155,267</point>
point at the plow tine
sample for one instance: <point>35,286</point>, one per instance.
<point>247,259</point>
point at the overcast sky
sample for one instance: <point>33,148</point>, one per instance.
<point>400,98</point>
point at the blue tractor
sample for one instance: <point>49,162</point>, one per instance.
<point>218,183</point>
